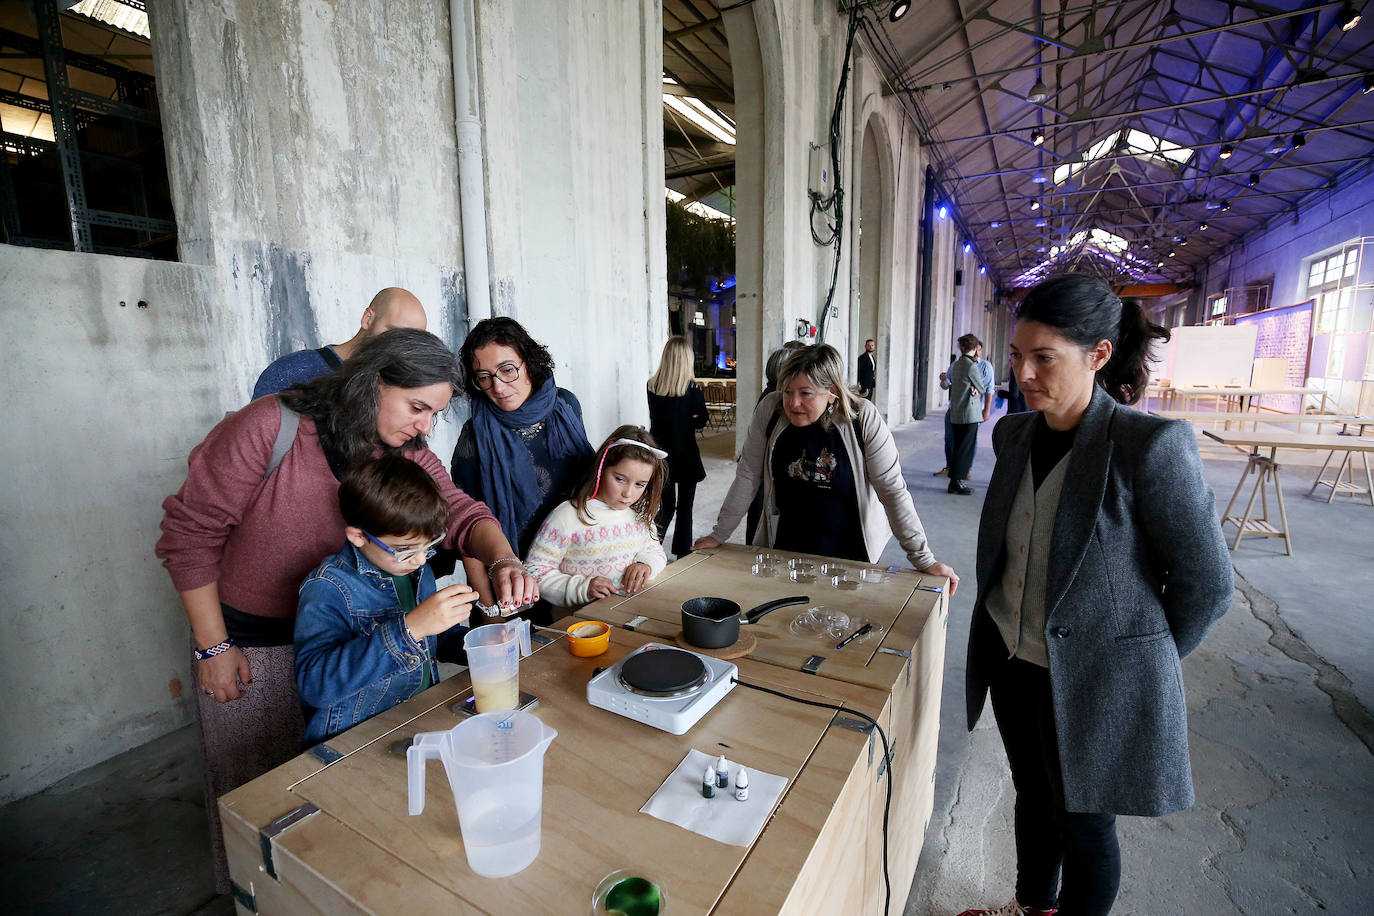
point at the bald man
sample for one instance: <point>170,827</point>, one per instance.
<point>393,307</point>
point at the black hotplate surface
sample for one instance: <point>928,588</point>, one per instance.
<point>663,672</point>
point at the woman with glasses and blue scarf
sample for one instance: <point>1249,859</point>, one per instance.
<point>525,447</point>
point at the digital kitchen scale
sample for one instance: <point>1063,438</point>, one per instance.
<point>662,686</point>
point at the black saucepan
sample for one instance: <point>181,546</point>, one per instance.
<point>713,623</point>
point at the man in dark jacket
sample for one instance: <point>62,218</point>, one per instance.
<point>868,370</point>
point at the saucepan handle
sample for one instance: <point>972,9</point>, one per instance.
<point>753,615</point>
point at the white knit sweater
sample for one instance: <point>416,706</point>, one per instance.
<point>567,554</point>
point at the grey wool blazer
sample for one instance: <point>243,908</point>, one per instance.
<point>1138,572</point>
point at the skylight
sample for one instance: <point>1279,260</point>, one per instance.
<point>1106,245</point>
<point>1135,143</point>
<point>700,114</point>
<point>697,207</point>
<point>129,17</point>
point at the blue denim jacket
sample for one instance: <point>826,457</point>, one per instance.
<point>354,656</point>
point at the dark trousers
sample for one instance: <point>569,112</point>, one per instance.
<point>678,496</point>
<point>949,443</point>
<point>1049,838</point>
<point>964,440</point>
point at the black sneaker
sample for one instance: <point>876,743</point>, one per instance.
<point>956,486</point>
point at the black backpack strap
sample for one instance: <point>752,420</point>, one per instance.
<point>331,359</point>
<point>286,436</point>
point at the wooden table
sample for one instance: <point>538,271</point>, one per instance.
<point>1233,420</point>
<point>906,665</point>
<point>1246,399</point>
<point>328,831</point>
<point>1266,469</point>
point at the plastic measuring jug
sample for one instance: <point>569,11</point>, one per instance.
<point>494,654</point>
<point>495,766</point>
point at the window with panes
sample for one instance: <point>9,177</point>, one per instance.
<point>1330,281</point>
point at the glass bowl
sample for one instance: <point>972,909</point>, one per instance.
<point>629,893</point>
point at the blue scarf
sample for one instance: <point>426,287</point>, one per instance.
<point>508,480</point>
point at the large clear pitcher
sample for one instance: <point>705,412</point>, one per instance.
<point>494,654</point>
<point>495,766</point>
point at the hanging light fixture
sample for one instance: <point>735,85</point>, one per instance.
<point>943,212</point>
<point>968,246</point>
<point>1368,83</point>
<point>1202,227</point>
<point>1225,205</point>
<point>1349,18</point>
<point>995,224</point>
<point>1299,140</point>
<point>1038,137</point>
<point>1254,179</point>
<point>1276,145</point>
<point>1039,178</point>
<point>1226,150</point>
<point>899,9</point>
<point>1035,205</point>
<point>1038,91</point>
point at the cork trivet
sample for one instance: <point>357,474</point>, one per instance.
<point>741,647</point>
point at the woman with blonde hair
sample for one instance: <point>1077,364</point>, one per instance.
<point>677,409</point>
<point>831,475</point>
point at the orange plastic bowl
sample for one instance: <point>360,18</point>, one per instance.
<point>589,638</point>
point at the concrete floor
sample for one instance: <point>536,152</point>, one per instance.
<point>1279,698</point>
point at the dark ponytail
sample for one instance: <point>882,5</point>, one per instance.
<point>1128,371</point>
<point>1085,310</point>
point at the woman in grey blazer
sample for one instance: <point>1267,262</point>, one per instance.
<point>1100,565</point>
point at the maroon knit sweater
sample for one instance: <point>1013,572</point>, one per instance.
<point>260,538</point>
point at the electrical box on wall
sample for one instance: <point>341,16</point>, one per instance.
<point>958,277</point>
<point>820,169</point>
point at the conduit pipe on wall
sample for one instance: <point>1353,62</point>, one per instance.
<point>472,183</point>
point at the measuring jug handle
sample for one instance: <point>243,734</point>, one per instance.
<point>427,746</point>
<point>523,631</point>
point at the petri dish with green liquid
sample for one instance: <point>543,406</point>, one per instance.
<point>626,893</point>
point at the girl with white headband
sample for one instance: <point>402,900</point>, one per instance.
<point>602,540</point>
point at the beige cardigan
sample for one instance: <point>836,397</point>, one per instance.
<point>885,505</point>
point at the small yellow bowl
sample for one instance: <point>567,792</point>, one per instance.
<point>589,638</point>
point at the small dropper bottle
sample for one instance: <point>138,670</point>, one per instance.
<point>722,773</point>
<point>708,783</point>
<point>742,785</point>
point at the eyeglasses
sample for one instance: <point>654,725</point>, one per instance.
<point>506,372</point>
<point>406,554</point>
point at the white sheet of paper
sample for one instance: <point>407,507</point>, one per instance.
<point>724,818</point>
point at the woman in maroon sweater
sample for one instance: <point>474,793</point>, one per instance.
<point>239,537</point>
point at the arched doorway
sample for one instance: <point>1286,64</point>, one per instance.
<point>871,308</point>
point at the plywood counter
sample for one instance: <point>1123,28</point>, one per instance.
<point>328,831</point>
<point>906,664</point>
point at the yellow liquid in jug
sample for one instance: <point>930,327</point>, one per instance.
<point>496,695</point>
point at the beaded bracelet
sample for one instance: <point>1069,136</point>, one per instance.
<point>204,654</point>
<point>491,567</point>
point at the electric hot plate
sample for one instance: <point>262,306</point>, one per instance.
<point>665,687</point>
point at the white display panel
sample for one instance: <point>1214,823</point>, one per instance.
<point>1211,355</point>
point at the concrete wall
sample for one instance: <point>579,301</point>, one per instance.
<point>573,113</point>
<point>312,158</point>
<point>787,59</point>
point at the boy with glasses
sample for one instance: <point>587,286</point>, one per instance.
<point>370,621</point>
